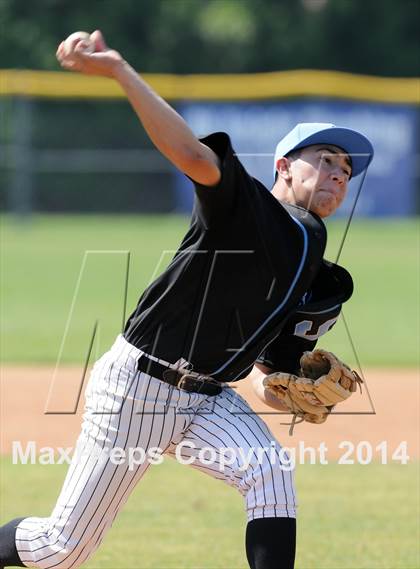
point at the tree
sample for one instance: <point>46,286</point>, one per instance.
<point>217,36</point>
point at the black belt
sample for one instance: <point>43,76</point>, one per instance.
<point>180,378</point>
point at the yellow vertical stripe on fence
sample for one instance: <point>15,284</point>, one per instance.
<point>281,84</point>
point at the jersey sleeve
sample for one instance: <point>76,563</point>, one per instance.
<point>330,289</point>
<point>214,203</point>
<point>284,353</point>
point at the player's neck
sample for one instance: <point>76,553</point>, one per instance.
<point>283,192</point>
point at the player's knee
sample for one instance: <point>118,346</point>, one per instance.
<point>269,485</point>
<point>76,552</point>
<point>64,551</point>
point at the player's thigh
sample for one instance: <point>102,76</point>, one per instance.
<point>112,454</point>
<point>228,441</point>
<point>121,433</point>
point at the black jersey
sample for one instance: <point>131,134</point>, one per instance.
<point>239,274</point>
<point>312,318</point>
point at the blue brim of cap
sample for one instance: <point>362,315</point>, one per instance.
<point>357,146</point>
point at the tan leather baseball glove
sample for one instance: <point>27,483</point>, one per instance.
<point>323,381</point>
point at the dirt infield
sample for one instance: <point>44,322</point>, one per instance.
<point>394,395</point>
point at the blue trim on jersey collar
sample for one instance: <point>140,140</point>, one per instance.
<point>286,298</point>
<point>302,311</point>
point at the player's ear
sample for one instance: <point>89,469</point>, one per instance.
<point>283,168</point>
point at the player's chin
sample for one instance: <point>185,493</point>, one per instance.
<point>325,204</point>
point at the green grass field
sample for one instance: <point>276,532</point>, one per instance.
<point>41,263</point>
<point>358,517</point>
<point>364,518</point>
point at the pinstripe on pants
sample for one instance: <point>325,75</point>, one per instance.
<point>129,409</point>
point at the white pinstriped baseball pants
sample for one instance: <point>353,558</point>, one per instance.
<point>128,409</point>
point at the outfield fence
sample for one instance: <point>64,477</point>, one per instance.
<point>71,143</point>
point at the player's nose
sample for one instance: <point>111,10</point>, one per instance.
<point>338,176</point>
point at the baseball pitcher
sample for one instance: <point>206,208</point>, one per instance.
<point>247,284</point>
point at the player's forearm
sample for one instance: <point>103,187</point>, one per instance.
<point>167,129</point>
<point>257,377</point>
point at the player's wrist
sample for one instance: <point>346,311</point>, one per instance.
<point>265,395</point>
<point>257,382</point>
<point>122,70</point>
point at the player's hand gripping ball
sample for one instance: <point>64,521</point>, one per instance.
<point>89,54</point>
<point>78,41</point>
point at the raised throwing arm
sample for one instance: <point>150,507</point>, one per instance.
<point>165,127</point>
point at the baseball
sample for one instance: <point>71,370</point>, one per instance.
<point>73,39</point>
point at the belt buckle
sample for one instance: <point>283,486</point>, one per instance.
<point>200,379</point>
<point>182,379</point>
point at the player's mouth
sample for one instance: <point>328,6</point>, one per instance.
<point>332,193</point>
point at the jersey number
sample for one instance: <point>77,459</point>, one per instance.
<point>302,328</point>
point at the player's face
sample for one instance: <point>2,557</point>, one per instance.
<point>320,178</point>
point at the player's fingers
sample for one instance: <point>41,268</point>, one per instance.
<point>84,47</point>
<point>59,52</point>
<point>66,63</point>
<point>81,45</point>
<point>76,61</point>
<point>71,44</point>
<point>71,65</point>
<point>98,40</point>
